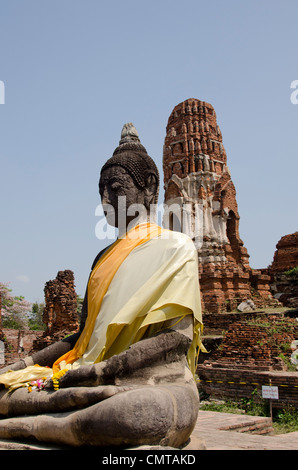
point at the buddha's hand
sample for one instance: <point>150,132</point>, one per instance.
<point>84,376</point>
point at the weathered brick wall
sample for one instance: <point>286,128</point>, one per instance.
<point>17,344</point>
<point>258,342</point>
<point>235,384</point>
<point>218,322</point>
<point>249,357</point>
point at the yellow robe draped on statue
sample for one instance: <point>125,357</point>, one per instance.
<point>147,277</point>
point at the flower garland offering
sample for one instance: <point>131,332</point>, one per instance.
<point>56,377</point>
<point>38,384</point>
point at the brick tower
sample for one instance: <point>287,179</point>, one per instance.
<point>196,176</point>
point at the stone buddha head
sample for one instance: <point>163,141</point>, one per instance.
<point>129,181</point>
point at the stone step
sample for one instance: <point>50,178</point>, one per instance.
<point>257,426</point>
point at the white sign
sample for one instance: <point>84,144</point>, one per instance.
<point>270,392</point>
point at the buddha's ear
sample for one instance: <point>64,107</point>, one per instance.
<point>150,189</point>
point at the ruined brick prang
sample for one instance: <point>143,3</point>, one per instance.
<point>284,280</point>
<point>286,254</point>
<point>60,313</point>
<point>196,176</point>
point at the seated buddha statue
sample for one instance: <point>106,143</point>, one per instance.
<point>127,377</point>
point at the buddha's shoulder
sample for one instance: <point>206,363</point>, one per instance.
<point>177,240</point>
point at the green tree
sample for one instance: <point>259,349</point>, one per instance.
<point>35,321</point>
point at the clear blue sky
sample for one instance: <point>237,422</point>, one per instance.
<point>76,70</point>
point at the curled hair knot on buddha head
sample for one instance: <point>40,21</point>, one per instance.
<point>132,156</point>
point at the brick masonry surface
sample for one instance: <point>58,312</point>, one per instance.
<point>254,352</point>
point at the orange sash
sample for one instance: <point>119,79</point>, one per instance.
<point>100,279</point>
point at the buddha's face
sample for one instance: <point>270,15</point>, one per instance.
<point>119,194</point>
